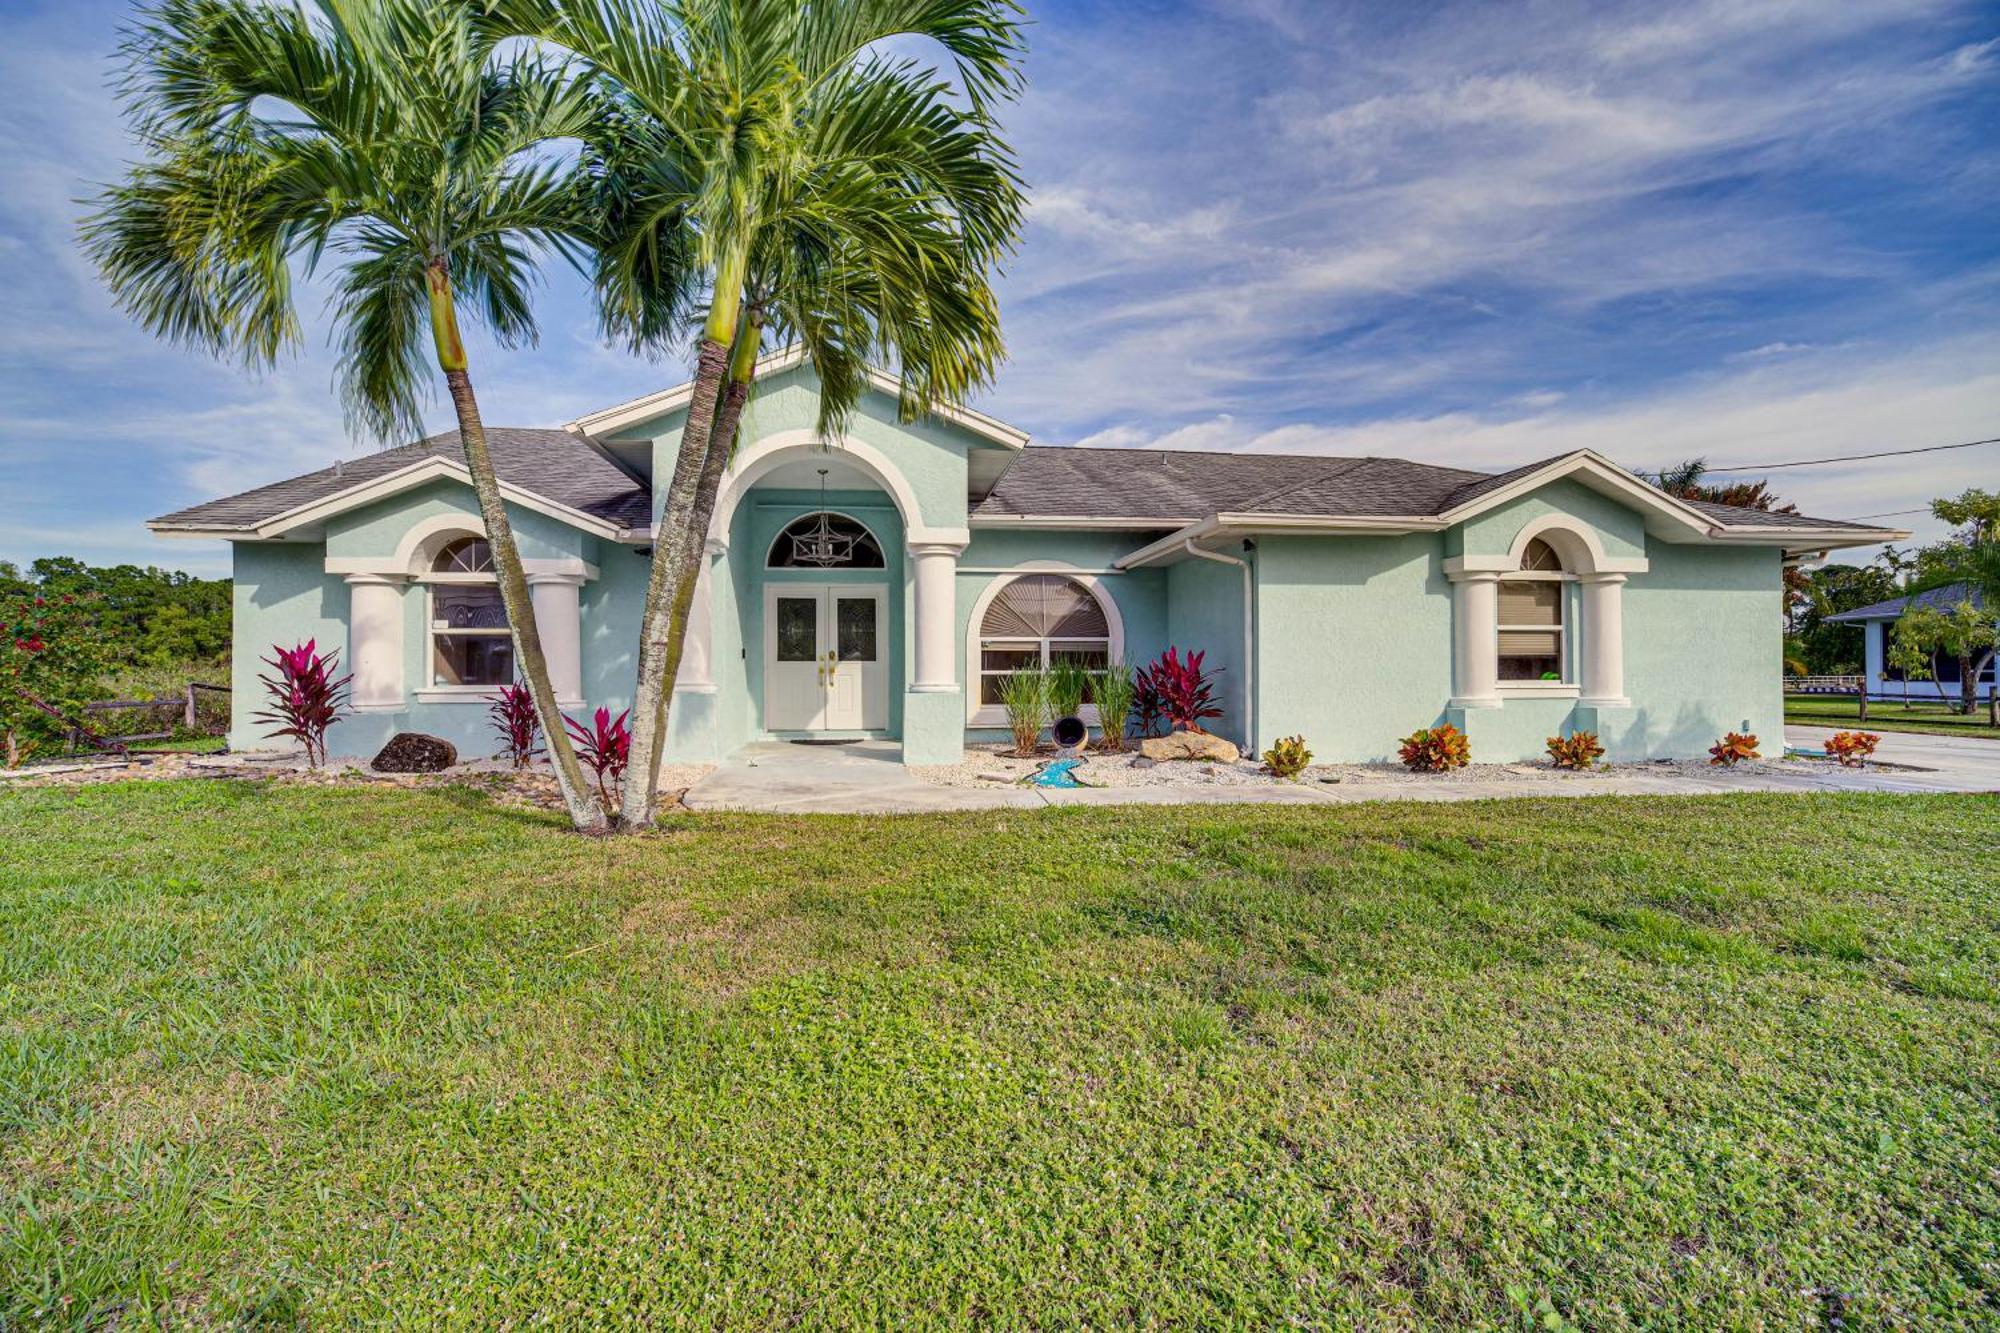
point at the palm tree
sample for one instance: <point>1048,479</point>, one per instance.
<point>393,136</point>
<point>831,193</point>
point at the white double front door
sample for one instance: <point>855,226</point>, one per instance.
<point>826,651</point>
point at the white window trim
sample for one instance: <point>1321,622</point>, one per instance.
<point>433,692</point>
<point>1568,686</point>
<point>992,715</point>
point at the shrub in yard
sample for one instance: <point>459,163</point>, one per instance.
<point>306,697</point>
<point>1186,690</point>
<point>1113,690</point>
<point>1732,749</point>
<point>1579,749</point>
<point>1436,749</point>
<point>1065,687</point>
<point>1146,707</point>
<point>1025,696</point>
<point>513,716</point>
<point>51,656</point>
<point>1852,748</point>
<point>1289,757</point>
<point>603,747</point>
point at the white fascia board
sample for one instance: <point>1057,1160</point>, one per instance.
<point>611,420</point>
<point>1797,539</point>
<point>1075,522</point>
<point>1173,546</point>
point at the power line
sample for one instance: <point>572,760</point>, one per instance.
<point>1853,458</point>
<point>1893,513</point>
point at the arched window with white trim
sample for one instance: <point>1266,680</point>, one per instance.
<point>1534,633</point>
<point>470,641</point>
<point>1036,620</point>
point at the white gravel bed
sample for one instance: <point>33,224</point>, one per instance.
<point>995,765</point>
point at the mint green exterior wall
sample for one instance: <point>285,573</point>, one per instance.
<point>1354,637</point>
<point>1205,615</point>
<point>280,594</point>
<point>1619,530</point>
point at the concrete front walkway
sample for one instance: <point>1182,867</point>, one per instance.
<point>868,777</point>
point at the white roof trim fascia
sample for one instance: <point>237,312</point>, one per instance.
<point>1074,522</point>
<point>608,454</point>
<point>394,483</point>
<point>1806,539</point>
<point>611,420</point>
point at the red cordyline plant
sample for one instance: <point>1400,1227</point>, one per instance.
<point>512,714</point>
<point>1186,693</point>
<point>603,748</point>
<point>305,695</point>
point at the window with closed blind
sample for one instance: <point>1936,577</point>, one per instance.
<point>1034,621</point>
<point>1534,644</point>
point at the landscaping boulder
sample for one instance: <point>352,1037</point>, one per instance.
<point>1188,745</point>
<point>414,752</point>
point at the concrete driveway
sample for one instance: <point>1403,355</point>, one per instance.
<point>868,777</point>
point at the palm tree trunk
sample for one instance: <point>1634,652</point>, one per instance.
<point>663,623</point>
<point>584,811</point>
<point>692,536</point>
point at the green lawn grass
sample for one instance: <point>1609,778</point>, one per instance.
<point>371,1057</point>
<point>1929,719</point>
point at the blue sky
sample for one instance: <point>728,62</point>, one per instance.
<point>1468,234</point>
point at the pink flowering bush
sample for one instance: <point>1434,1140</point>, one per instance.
<point>51,658</point>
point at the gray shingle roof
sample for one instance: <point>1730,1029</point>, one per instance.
<point>1184,486</point>
<point>550,463</point>
<point>1941,599</point>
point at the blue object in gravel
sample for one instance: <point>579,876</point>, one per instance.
<point>1056,773</point>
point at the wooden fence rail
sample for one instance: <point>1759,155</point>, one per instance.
<point>186,704</point>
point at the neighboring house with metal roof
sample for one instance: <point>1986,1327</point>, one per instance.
<point>1878,620</point>
<point>885,582</point>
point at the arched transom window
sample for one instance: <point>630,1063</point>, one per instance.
<point>470,642</point>
<point>1533,635</point>
<point>825,541</point>
<point>1036,620</point>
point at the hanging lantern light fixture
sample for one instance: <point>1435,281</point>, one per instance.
<point>820,544</point>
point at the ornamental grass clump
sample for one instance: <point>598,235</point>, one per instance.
<point>1852,748</point>
<point>1065,687</point>
<point>604,748</point>
<point>1732,749</point>
<point>1288,758</point>
<point>1025,696</point>
<point>1436,749</point>
<point>1113,690</point>
<point>513,716</point>
<point>1579,750</point>
<point>306,697</point>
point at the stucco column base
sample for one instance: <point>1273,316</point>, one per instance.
<point>933,726</point>
<point>694,727</point>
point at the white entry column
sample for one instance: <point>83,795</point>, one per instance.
<point>935,669</point>
<point>559,621</point>
<point>1604,641</point>
<point>375,640</point>
<point>697,673</point>
<point>1475,639</point>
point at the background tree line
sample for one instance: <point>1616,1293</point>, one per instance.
<point>146,617</point>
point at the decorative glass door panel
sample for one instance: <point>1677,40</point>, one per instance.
<point>825,651</point>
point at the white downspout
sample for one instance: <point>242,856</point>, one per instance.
<point>1249,641</point>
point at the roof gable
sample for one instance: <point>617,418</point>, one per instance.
<point>546,470</point>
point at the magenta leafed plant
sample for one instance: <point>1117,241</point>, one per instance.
<point>1186,692</point>
<point>603,748</point>
<point>305,695</point>
<point>513,716</point>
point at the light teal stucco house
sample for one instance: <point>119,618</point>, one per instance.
<point>879,584</point>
